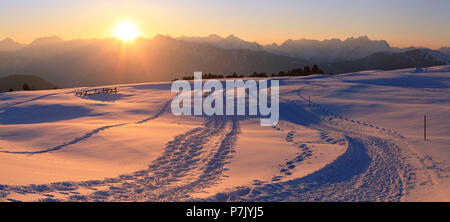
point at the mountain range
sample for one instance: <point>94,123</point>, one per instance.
<point>90,62</point>
<point>332,50</point>
<point>315,51</point>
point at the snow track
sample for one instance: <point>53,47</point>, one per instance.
<point>29,100</point>
<point>191,161</point>
<point>90,134</point>
<point>371,169</point>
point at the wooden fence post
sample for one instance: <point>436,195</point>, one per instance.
<point>425,127</point>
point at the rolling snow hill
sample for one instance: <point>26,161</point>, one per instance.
<point>360,139</point>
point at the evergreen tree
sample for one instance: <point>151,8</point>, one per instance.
<point>26,87</point>
<point>234,75</point>
<point>307,70</point>
<point>295,72</point>
<point>315,69</point>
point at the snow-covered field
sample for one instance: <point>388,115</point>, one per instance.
<point>361,139</point>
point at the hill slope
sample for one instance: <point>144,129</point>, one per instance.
<point>390,61</point>
<point>352,137</point>
<point>15,82</point>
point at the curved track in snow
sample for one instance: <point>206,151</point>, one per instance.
<point>90,134</point>
<point>29,100</point>
<point>191,161</point>
<point>371,169</point>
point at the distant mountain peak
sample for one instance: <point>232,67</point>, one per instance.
<point>45,40</point>
<point>229,42</point>
<point>233,37</point>
<point>361,38</point>
<point>8,44</point>
<point>364,39</point>
<point>8,39</point>
<point>215,36</point>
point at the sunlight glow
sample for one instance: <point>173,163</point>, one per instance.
<point>126,31</point>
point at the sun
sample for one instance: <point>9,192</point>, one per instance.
<point>126,31</point>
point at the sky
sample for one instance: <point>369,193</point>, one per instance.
<point>402,23</point>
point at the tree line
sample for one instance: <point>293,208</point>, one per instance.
<point>25,87</point>
<point>294,72</point>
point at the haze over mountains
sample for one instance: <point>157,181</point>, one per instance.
<point>315,51</point>
<point>110,61</point>
<point>90,62</point>
<point>333,50</point>
<point>230,42</point>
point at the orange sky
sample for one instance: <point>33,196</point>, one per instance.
<point>402,23</point>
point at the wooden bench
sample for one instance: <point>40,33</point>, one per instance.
<point>89,92</point>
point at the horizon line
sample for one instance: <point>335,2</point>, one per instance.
<point>226,36</point>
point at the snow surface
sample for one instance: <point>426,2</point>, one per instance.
<point>361,139</point>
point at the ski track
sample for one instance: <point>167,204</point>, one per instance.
<point>170,177</point>
<point>30,100</point>
<point>90,134</point>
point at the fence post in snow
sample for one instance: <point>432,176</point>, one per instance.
<point>425,127</point>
